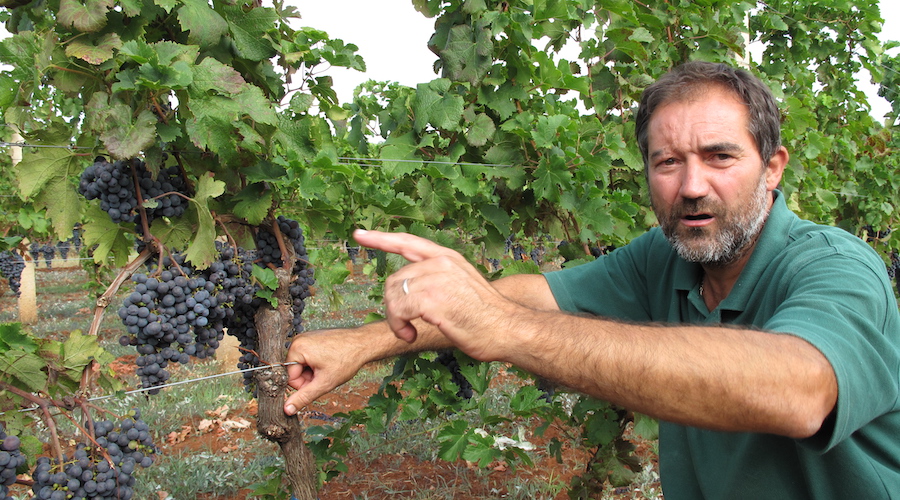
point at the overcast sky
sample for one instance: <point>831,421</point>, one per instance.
<point>392,38</point>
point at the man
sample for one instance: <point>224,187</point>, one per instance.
<point>766,345</point>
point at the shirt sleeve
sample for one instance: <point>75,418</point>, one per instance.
<point>612,286</point>
<point>842,303</point>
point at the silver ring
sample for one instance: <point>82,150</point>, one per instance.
<point>406,286</point>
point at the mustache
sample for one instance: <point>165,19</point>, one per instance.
<point>693,206</point>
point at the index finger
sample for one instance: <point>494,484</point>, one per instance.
<point>412,248</point>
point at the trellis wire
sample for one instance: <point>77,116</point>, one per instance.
<point>172,384</point>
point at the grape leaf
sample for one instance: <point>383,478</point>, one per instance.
<point>205,26</point>
<point>131,8</point>
<point>453,439</point>
<point>174,234</point>
<point>545,131</point>
<point>202,250</point>
<point>298,136</point>
<point>467,55</point>
<point>11,337</point>
<point>210,74</point>
<point>250,31</point>
<point>253,203</point>
<point>166,5</point>
<point>399,155</point>
<point>549,9</point>
<point>43,176</point>
<point>24,369</point>
<point>78,350</point>
<point>264,171</point>
<point>265,276</point>
<point>482,449</point>
<point>89,16</point>
<point>480,130</point>
<point>254,104</point>
<point>503,99</point>
<point>111,239</point>
<point>125,138</point>
<point>434,104</point>
<point>94,51</point>
<point>551,177</point>
<point>213,133</point>
<point>434,199</point>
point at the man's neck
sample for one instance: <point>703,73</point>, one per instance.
<point>719,279</point>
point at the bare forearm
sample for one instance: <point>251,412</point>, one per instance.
<point>377,341</point>
<point>711,377</point>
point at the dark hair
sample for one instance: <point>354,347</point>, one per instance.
<point>686,80</point>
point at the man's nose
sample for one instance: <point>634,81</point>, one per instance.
<point>694,181</point>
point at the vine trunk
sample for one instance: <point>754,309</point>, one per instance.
<point>273,326</point>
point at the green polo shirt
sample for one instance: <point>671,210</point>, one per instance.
<point>816,282</point>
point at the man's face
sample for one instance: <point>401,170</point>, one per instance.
<point>708,185</point>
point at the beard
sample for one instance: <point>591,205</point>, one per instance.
<point>736,234</point>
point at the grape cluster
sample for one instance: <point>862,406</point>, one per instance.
<point>113,184</point>
<point>352,252</point>
<point>242,324</point>
<point>48,251</point>
<point>102,471</point>
<point>11,458</point>
<point>518,252</point>
<point>172,314</point>
<point>63,247</point>
<point>269,252</point>
<point>11,266</point>
<point>232,273</point>
<point>35,250</point>
<point>537,255</point>
<point>76,238</point>
<point>178,312</point>
<point>162,189</point>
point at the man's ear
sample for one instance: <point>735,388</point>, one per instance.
<point>775,168</point>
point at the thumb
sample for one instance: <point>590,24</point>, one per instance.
<point>302,378</point>
<point>302,397</point>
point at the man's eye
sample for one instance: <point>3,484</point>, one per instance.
<point>669,161</point>
<point>723,156</point>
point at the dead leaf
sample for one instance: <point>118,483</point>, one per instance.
<point>239,423</point>
<point>220,412</point>
<point>175,437</point>
<point>206,425</point>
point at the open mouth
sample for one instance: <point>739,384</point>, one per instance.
<point>697,216</point>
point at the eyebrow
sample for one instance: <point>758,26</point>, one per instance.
<point>655,154</point>
<point>721,146</point>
